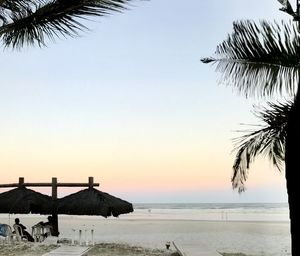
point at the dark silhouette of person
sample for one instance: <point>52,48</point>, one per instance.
<point>49,225</point>
<point>22,230</point>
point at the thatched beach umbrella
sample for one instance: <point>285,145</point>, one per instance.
<point>93,202</point>
<point>23,200</point>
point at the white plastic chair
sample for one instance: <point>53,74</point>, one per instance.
<point>6,232</point>
<point>38,233</point>
<point>19,233</point>
<point>47,230</point>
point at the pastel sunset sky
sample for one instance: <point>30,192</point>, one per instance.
<point>130,103</point>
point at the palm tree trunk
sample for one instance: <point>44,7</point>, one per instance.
<point>292,162</point>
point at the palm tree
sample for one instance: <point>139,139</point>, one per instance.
<point>31,22</point>
<point>264,60</point>
<point>268,140</point>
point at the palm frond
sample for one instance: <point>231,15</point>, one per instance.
<point>260,59</point>
<point>31,22</point>
<point>7,7</point>
<point>268,141</point>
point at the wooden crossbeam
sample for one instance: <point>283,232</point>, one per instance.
<point>50,184</point>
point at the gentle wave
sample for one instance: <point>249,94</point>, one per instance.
<point>212,211</point>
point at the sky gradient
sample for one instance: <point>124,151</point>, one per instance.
<point>130,103</point>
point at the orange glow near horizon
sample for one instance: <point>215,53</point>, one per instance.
<point>130,170</point>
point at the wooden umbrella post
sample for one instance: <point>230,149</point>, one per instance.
<point>91,182</point>
<point>21,182</point>
<point>54,211</point>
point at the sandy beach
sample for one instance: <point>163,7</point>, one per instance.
<point>35,249</point>
<point>255,238</point>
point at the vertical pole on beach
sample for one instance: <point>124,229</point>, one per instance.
<point>73,237</point>
<point>80,231</point>
<point>92,233</point>
<point>86,238</point>
<point>54,210</point>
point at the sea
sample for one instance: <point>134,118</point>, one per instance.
<point>211,211</point>
<point>197,211</point>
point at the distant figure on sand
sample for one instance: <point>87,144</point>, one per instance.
<point>21,229</point>
<point>168,251</point>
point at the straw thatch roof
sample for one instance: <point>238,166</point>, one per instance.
<point>23,200</point>
<point>93,202</point>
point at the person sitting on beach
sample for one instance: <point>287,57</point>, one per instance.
<point>22,230</point>
<point>48,225</point>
